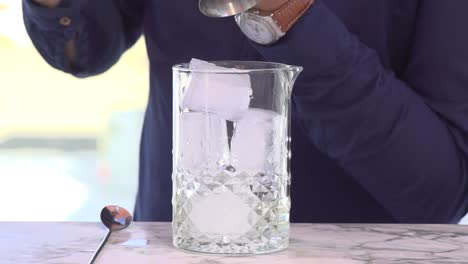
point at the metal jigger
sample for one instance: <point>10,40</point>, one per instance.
<point>225,8</point>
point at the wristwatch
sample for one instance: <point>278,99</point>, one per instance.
<point>268,27</point>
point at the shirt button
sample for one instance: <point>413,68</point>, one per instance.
<point>65,21</point>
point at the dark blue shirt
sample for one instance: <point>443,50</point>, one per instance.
<point>380,113</point>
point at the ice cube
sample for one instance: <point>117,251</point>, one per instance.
<point>203,142</point>
<point>258,141</point>
<point>224,94</point>
<point>221,213</point>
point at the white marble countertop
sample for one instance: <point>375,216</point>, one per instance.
<point>64,243</point>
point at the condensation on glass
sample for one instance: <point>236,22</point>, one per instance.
<point>231,154</point>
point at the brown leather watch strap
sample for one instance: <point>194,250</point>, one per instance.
<point>288,14</point>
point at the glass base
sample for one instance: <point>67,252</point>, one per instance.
<point>231,248</point>
<point>233,213</point>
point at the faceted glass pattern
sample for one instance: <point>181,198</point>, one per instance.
<point>231,177</point>
<point>231,213</point>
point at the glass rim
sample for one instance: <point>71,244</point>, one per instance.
<point>274,67</point>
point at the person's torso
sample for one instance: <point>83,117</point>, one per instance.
<point>175,32</point>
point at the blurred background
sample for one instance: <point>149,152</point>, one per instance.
<point>68,146</point>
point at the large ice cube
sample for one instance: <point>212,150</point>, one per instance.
<point>203,142</point>
<point>221,213</point>
<point>224,94</point>
<point>257,142</point>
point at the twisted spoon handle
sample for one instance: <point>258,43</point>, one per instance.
<point>98,250</point>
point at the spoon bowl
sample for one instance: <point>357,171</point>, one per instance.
<point>114,218</point>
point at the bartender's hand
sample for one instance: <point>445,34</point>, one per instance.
<point>270,5</point>
<point>48,3</point>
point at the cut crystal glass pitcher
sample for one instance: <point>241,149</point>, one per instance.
<point>231,154</point>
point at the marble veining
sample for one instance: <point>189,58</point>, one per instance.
<point>66,243</point>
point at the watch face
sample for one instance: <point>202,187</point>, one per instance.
<point>255,28</point>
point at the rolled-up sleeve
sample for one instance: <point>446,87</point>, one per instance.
<point>403,139</point>
<point>101,32</point>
